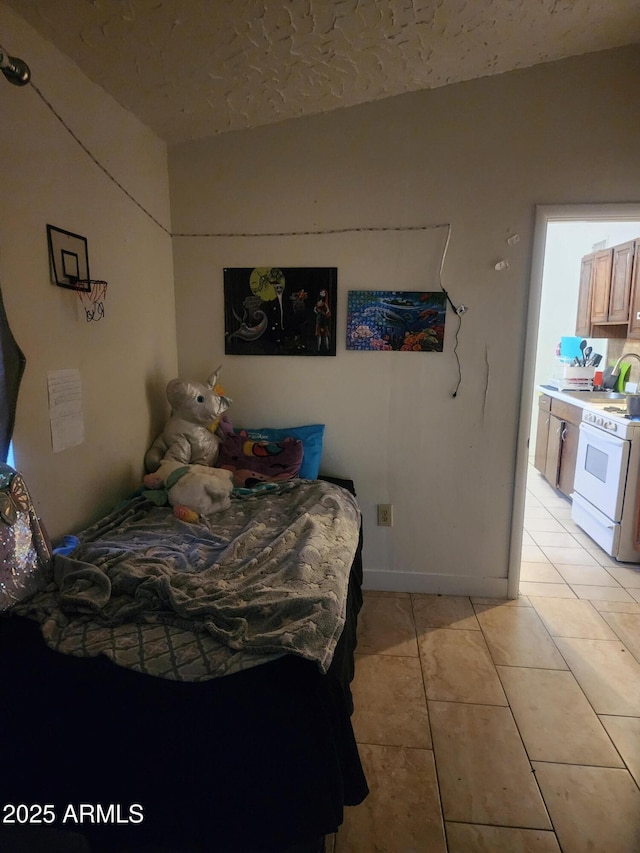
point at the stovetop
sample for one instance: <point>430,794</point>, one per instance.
<point>617,410</point>
<point>612,419</point>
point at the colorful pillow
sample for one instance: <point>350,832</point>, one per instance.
<point>252,462</point>
<point>311,437</point>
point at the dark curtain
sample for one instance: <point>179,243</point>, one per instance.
<point>12,362</point>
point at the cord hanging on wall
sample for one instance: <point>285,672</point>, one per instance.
<point>93,292</point>
<point>15,70</point>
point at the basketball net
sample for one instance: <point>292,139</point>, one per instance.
<point>93,299</point>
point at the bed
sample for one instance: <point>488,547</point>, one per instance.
<point>185,687</point>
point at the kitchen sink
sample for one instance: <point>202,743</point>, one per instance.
<point>597,397</point>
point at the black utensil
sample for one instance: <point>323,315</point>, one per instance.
<point>586,356</point>
<point>608,380</point>
<point>583,344</point>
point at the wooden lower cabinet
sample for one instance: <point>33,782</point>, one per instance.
<point>556,448</point>
<point>542,433</point>
<point>568,458</point>
<point>554,451</point>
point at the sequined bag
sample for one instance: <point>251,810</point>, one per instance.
<point>25,550</point>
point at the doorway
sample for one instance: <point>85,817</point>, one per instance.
<point>597,219</point>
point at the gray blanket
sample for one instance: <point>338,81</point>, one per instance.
<point>264,578</point>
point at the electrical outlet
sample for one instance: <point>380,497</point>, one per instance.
<point>385,515</point>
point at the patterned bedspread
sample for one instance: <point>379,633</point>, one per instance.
<point>267,577</point>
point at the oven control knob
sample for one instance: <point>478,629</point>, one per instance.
<point>599,421</point>
<point>611,426</point>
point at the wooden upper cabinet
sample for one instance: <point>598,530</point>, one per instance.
<point>609,294</point>
<point>601,286</point>
<point>583,319</point>
<point>634,311</point>
<point>621,268</point>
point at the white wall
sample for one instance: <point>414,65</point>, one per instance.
<point>125,359</point>
<point>479,155</point>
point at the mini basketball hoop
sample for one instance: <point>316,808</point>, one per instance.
<point>92,297</point>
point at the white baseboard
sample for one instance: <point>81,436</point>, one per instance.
<point>440,584</point>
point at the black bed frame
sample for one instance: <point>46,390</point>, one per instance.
<point>262,761</point>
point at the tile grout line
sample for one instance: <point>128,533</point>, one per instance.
<point>433,745</point>
<point>590,703</point>
<point>515,722</point>
<point>619,640</point>
<point>487,705</point>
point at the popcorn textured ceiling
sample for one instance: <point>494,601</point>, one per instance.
<point>195,68</point>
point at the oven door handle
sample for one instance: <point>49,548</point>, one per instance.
<point>601,436</point>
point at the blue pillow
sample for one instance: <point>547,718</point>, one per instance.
<point>311,438</point>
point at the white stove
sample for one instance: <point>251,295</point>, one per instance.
<point>606,486</point>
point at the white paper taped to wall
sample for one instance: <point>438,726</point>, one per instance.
<point>65,409</point>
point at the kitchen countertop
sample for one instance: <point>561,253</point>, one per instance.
<point>614,407</point>
<point>576,398</point>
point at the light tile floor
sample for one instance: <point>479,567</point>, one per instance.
<point>504,727</point>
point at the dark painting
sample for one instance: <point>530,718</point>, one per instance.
<point>280,310</point>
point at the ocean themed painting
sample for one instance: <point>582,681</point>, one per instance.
<point>397,320</point>
<point>280,310</point>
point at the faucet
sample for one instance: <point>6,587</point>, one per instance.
<point>616,367</point>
